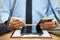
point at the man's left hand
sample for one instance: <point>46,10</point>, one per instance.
<point>48,25</point>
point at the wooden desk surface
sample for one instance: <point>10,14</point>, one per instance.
<point>7,37</point>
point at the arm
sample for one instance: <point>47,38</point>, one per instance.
<point>54,4</point>
<point>5,10</point>
<point>51,24</point>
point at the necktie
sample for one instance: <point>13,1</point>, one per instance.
<point>28,29</point>
<point>28,15</point>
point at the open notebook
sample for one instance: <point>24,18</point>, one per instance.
<point>17,33</point>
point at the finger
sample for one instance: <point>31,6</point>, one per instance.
<point>12,24</point>
<point>41,24</point>
<point>20,24</point>
<point>46,27</point>
<point>49,26</point>
<point>15,22</point>
<point>15,27</point>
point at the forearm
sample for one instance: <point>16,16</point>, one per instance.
<point>55,7</point>
<point>5,10</point>
<point>4,16</point>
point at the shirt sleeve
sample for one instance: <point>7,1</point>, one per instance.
<point>5,10</point>
<point>55,6</point>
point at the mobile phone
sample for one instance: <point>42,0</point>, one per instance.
<point>38,28</point>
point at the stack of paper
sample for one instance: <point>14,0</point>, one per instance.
<point>18,34</point>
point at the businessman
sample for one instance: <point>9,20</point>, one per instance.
<point>38,9</point>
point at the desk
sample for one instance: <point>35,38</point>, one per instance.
<point>7,37</point>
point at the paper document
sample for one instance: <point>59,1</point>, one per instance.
<point>18,34</point>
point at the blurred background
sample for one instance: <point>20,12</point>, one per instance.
<point>1,6</point>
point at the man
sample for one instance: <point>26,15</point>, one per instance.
<point>40,9</point>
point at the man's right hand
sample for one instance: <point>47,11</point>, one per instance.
<point>15,23</point>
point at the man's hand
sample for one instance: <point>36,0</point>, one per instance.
<point>48,25</point>
<point>15,23</point>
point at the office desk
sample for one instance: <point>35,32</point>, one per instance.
<point>7,37</point>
